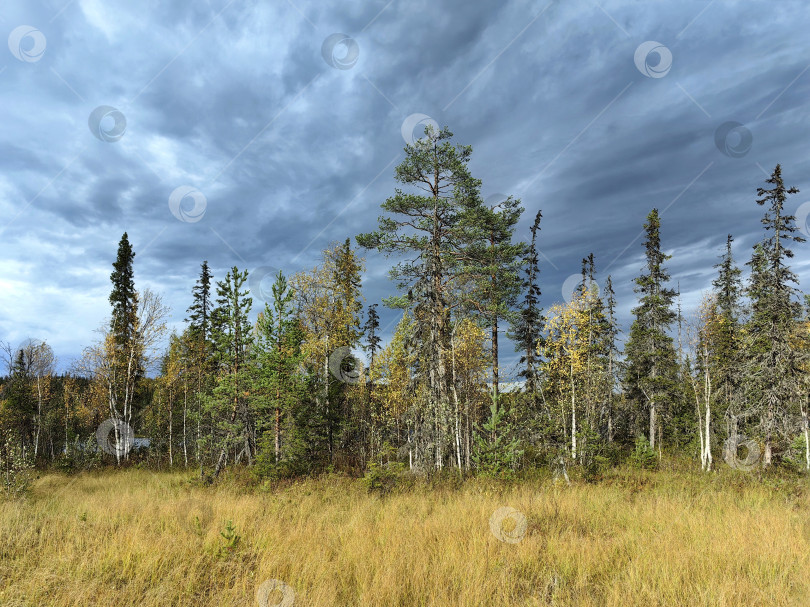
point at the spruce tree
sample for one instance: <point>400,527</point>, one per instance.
<point>527,325</point>
<point>613,353</point>
<point>124,298</point>
<point>651,371</point>
<point>279,384</point>
<point>124,344</point>
<point>199,338</point>
<point>726,354</point>
<point>232,336</point>
<point>347,307</point>
<point>373,340</point>
<point>199,312</point>
<point>775,361</point>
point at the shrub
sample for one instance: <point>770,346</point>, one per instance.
<point>496,448</point>
<point>643,455</point>
<point>81,455</point>
<point>794,455</point>
<point>383,479</point>
<point>16,467</point>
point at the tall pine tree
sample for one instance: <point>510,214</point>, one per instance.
<point>651,370</point>
<point>774,366</point>
<point>123,345</point>
<point>527,325</point>
<point>428,228</point>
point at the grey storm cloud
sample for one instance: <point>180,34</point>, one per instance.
<point>235,101</point>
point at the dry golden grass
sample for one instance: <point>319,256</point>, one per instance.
<point>667,538</point>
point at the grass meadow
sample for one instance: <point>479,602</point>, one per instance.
<point>670,537</point>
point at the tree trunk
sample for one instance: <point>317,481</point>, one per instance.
<point>700,429</point>
<point>185,409</point>
<point>708,441</point>
<point>223,452</point>
<point>455,399</point>
<point>495,370</point>
<point>573,417</point>
<point>171,456</point>
<point>768,456</point>
<point>806,439</point>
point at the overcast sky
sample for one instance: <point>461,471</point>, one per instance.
<point>255,133</point>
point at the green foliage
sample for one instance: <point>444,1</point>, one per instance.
<point>497,449</point>
<point>794,455</point>
<point>232,335</point>
<point>230,538</point>
<point>123,297</point>
<point>16,468</point>
<point>382,479</point>
<point>776,352</point>
<point>597,455</point>
<point>651,368</point>
<point>81,455</point>
<point>526,325</point>
<point>199,317</point>
<point>643,456</point>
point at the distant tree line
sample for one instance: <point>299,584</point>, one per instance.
<point>286,397</point>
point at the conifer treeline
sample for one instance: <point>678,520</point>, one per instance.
<point>285,396</point>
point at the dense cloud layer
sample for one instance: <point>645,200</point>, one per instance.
<point>237,102</point>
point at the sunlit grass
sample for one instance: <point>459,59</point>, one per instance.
<point>665,538</point>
